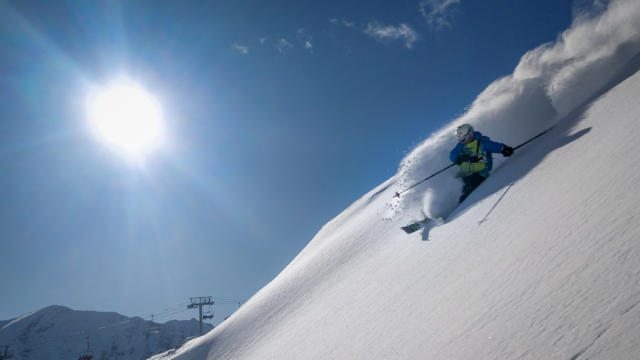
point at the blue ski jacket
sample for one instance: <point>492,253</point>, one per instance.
<point>481,147</point>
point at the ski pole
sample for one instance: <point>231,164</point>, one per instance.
<point>421,181</point>
<point>533,138</point>
<point>429,177</point>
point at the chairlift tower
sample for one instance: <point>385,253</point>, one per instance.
<point>86,355</point>
<point>153,329</point>
<point>199,302</point>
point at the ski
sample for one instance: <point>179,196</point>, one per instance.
<point>431,222</point>
<point>411,228</point>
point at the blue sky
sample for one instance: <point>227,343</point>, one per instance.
<point>279,115</point>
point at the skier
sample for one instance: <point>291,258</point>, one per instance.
<point>473,155</point>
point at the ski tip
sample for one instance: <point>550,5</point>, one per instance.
<point>397,195</point>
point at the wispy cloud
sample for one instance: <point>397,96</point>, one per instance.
<point>283,45</point>
<point>305,40</point>
<point>437,12</point>
<point>389,33</point>
<point>244,50</point>
<point>343,22</point>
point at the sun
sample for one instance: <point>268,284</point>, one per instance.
<point>127,118</point>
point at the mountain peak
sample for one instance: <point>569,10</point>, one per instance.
<point>60,332</point>
<point>53,309</point>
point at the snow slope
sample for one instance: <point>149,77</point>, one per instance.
<point>57,332</point>
<point>541,262</point>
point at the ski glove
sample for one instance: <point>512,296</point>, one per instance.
<point>507,151</point>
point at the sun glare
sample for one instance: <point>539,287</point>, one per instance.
<point>127,118</point>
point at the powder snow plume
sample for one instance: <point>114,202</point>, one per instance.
<point>549,83</point>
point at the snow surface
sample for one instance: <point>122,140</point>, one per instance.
<point>542,261</point>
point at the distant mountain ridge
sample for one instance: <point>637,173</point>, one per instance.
<point>58,332</point>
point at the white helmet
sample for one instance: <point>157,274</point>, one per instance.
<point>464,132</point>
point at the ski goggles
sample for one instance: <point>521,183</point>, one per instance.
<point>466,138</point>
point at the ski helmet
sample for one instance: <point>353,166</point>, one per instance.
<point>464,132</point>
